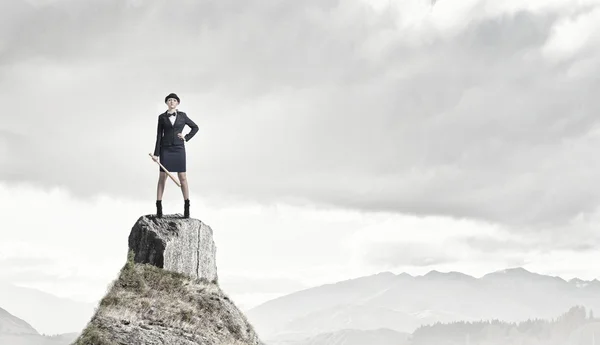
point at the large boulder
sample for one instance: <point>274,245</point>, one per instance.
<point>183,245</point>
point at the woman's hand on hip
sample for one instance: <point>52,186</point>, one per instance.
<point>181,136</point>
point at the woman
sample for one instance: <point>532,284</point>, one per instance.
<point>170,145</point>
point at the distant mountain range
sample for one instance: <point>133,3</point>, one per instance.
<point>10,324</point>
<point>380,309</point>
<point>402,303</point>
<point>40,309</point>
<point>14,331</point>
<point>381,336</point>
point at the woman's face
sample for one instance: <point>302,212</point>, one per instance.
<point>172,103</point>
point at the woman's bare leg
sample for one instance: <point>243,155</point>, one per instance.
<point>160,188</point>
<point>184,185</point>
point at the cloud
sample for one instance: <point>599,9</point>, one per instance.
<point>410,243</point>
<point>573,37</point>
<point>455,110</point>
<point>409,254</point>
<point>72,247</point>
<point>13,146</point>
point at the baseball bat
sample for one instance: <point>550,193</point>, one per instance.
<point>168,173</point>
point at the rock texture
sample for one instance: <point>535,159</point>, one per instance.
<point>167,292</point>
<point>175,244</point>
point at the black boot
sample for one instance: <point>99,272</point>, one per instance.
<point>159,213</point>
<point>186,208</point>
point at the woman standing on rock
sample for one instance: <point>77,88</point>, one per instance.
<point>170,148</point>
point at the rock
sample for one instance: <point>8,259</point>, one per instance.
<point>147,305</point>
<point>183,245</point>
<point>167,292</point>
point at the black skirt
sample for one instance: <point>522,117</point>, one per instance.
<point>172,158</point>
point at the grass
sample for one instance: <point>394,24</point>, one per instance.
<point>91,335</point>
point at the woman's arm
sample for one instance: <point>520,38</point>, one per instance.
<point>193,126</point>
<point>159,131</point>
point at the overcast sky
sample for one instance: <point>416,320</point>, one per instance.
<point>337,138</point>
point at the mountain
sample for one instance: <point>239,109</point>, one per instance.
<point>168,291</point>
<point>355,337</point>
<point>40,308</point>
<point>403,302</point>
<point>290,307</point>
<point>573,327</point>
<point>14,331</point>
<point>32,339</point>
<point>10,324</point>
<point>346,317</point>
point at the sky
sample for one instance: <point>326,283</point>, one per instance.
<point>336,139</point>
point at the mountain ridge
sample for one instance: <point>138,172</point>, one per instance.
<point>511,294</point>
<point>10,324</point>
<point>16,331</point>
<point>23,302</point>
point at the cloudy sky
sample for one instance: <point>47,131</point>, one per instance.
<point>337,138</point>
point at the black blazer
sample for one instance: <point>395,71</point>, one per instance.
<point>166,133</point>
